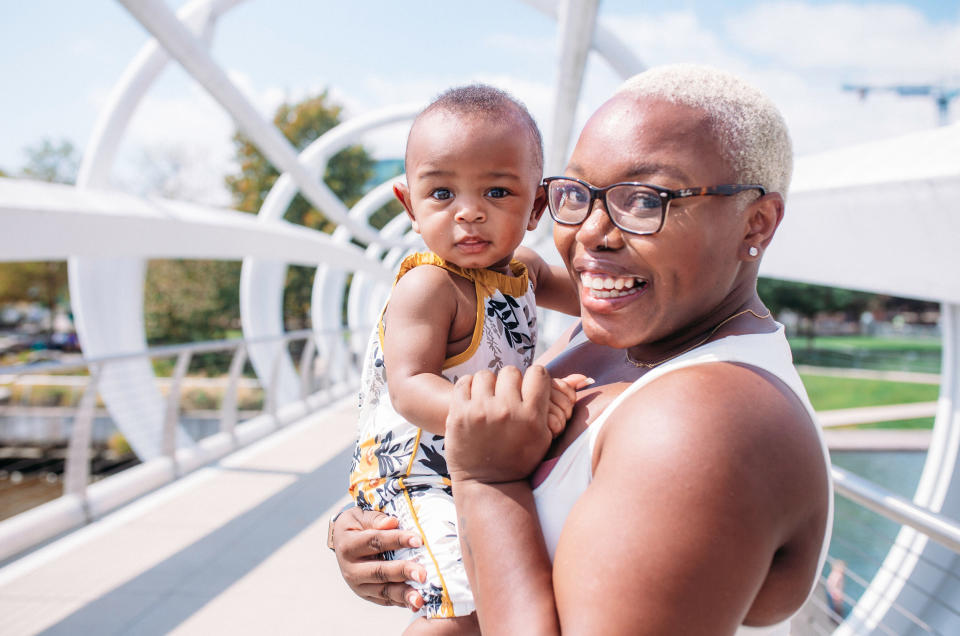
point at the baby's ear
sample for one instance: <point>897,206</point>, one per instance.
<point>539,205</point>
<point>402,192</point>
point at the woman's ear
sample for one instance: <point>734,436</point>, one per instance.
<point>402,192</point>
<point>763,216</point>
<point>539,205</point>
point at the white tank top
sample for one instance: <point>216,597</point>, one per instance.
<point>573,471</point>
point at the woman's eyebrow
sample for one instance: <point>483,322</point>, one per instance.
<point>657,169</point>
<point>640,171</point>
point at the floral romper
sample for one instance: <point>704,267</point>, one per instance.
<point>400,469</point>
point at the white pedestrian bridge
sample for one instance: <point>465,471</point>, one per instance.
<point>227,534</point>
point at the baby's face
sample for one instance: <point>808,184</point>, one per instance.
<point>473,186</point>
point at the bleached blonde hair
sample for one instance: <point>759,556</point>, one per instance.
<point>753,134</point>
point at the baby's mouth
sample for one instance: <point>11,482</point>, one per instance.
<point>605,286</point>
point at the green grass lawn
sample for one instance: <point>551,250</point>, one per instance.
<point>846,343</point>
<point>920,422</point>
<point>828,392</point>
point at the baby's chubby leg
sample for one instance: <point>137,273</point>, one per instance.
<point>456,626</point>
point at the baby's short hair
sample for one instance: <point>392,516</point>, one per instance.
<point>753,135</point>
<point>483,99</point>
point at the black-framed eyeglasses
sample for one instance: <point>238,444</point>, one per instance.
<point>638,208</point>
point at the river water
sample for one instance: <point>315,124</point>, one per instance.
<point>862,538</point>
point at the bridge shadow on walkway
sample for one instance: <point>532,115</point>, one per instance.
<point>235,548</point>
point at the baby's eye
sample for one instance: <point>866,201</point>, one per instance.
<point>497,193</point>
<point>441,194</point>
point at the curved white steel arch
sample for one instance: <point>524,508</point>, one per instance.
<point>884,217</point>
<point>262,281</point>
<point>367,295</point>
<point>113,323</point>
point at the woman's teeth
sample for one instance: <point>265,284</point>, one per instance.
<point>610,287</point>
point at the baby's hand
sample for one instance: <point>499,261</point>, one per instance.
<point>563,395</point>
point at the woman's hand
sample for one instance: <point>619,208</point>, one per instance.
<point>499,427</point>
<point>359,537</point>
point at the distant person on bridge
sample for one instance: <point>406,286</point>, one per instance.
<point>474,162</point>
<point>690,491</point>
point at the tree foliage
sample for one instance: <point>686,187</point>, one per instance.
<point>41,282</point>
<point>809,300</point>
<point>190,300</point>
<point>346,174</point>
<point>56,162</point>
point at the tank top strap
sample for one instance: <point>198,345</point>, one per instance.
<point>758,350</point>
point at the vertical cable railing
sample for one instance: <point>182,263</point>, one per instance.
<point>819,617</point>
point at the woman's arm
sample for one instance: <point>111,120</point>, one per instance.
<point>699,482</point>
<point>503,548</point>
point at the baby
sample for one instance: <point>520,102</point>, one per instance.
<point>474,161</point>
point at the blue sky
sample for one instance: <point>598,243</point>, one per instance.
<point>59,60</point>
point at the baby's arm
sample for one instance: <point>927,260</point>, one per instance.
<point>552,283</point>
<point>417,325</point>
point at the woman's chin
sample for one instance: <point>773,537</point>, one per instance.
<point>609,335</point>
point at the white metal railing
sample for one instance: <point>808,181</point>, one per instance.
<point>821,617</point>
<point>82,501</point>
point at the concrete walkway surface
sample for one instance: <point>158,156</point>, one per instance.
<point>236,548</point>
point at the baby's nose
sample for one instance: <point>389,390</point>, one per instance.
<point>469,214</point>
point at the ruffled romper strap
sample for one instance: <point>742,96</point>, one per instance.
<point>485,281</point>
<point>515,285</point>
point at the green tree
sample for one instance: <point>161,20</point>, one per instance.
<point>56,162</point>
<point>190,300</point>
<point>41,282</point>
<point>809,300</point>
<point>347,174</point>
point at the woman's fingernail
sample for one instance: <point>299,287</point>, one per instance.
<point>588,382</point>
<point>415,542</point>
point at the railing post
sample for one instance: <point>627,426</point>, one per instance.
<point>77,468</point>
<point>270,399</point>
<point>228,406</point>
<point>173,406</point>
<point>306,367</point>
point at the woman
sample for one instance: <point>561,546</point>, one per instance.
<point>690,491</point>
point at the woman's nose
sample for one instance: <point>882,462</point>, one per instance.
<point>595,227</point>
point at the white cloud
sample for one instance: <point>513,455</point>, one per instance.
<point>675,36</point>
<point>875,39</point>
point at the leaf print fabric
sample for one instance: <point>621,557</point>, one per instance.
<point>401,470</point>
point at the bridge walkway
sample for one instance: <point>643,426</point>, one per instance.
<point>238,547</point>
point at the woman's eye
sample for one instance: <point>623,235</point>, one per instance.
<point>441,194</point>
<point>497,193</point>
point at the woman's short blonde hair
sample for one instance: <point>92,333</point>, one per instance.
<point>752,132</point>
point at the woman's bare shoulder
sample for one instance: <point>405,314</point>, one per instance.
<point>714,473</point>
<point>724,425</point>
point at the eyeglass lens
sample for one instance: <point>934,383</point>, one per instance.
<point>632,207</point>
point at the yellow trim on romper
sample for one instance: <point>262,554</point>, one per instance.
<point>485,281</point>
<point>446,605</point>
